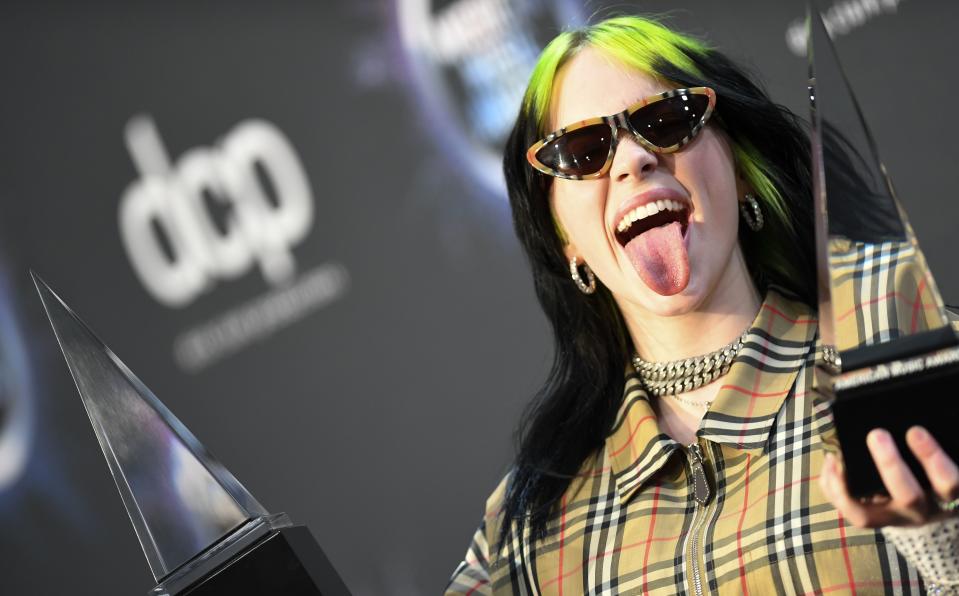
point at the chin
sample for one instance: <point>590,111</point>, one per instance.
<point>687,300</point>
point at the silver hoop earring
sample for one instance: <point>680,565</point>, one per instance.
<point>574,273</point>
<point>752,213</point>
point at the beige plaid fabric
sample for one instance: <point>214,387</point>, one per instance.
<point>880,292</point>
<point>629,524</point>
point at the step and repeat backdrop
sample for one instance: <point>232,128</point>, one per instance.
<point>288,219</point>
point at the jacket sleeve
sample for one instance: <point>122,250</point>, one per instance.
<point>471,577</point>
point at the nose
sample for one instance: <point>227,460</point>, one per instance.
<point>631,159</point>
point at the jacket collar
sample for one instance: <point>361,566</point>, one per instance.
<point>744,410</point>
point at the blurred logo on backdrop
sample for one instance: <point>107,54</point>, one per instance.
<point>469,62</point>
<point>841,18</point>
<point>216,214</point>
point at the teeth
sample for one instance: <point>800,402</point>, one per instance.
<point>646,210</point>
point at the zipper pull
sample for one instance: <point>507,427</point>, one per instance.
<point>697,464</point>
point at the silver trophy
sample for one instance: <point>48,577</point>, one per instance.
<point>890,355</point>
<point>202,532</point>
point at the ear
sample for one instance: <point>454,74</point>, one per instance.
<point>570,250</point>
<point>742,187</point>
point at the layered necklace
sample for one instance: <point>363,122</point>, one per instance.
<point>680,376</point>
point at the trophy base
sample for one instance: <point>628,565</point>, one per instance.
<point>921,390</point>
<point>265,557</point>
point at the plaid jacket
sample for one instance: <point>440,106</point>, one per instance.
<point>630,524</point>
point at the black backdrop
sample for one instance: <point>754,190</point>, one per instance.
<point>361,364</point>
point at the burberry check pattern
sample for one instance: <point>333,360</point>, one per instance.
<point>629,523</point>
<point>881,291</point>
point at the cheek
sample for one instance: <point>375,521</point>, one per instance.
<point>715,183</point>
<point>577,208</point>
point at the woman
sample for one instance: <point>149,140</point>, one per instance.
<point>713,473</point>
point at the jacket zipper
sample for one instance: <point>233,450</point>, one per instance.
<point>701,493</point>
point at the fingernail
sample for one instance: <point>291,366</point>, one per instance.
<point>879,439</point>
<point>824,475</point>
<point>828,466</point>
<point>920,433</point>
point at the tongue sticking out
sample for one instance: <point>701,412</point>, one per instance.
<point>660,258</point>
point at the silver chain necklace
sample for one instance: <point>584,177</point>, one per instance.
<point>680,376</point>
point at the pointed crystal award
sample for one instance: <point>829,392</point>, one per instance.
<point>890,356</point>
<point>202,532</point>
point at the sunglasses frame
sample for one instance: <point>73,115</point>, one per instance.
<point>621,120</point>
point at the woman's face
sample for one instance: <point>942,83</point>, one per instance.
<point>670,269</point>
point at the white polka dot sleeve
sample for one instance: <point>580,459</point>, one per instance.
<point>933,549</point>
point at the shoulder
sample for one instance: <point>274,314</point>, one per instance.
<point>594,469</point>
<point>472,575</point>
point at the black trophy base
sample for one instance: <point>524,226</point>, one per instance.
<point>285,562</point>
<point>922,390</point>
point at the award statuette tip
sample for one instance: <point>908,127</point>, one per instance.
<point>890,356</point>
<point>202,532</point>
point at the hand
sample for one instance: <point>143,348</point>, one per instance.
<point>907,504</point>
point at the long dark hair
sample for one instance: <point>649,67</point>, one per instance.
<point>570,417</point>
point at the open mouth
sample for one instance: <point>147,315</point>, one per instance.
<point>649,216</point>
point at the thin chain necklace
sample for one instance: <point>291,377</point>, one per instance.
<point>680,376</point>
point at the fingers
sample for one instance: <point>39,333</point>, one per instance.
<point>907,496</point>
<point>833,485</point>
<point>942,472</point>
<point>907,503</point>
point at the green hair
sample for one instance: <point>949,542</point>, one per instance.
<point>633,41</point>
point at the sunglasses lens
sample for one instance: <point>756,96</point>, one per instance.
<point>667,122</point>
<point>578,153</point>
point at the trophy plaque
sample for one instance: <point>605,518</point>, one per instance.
<point>202,532</point>
<point>890,356</point>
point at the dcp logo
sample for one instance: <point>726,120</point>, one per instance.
<point>177,245</point>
